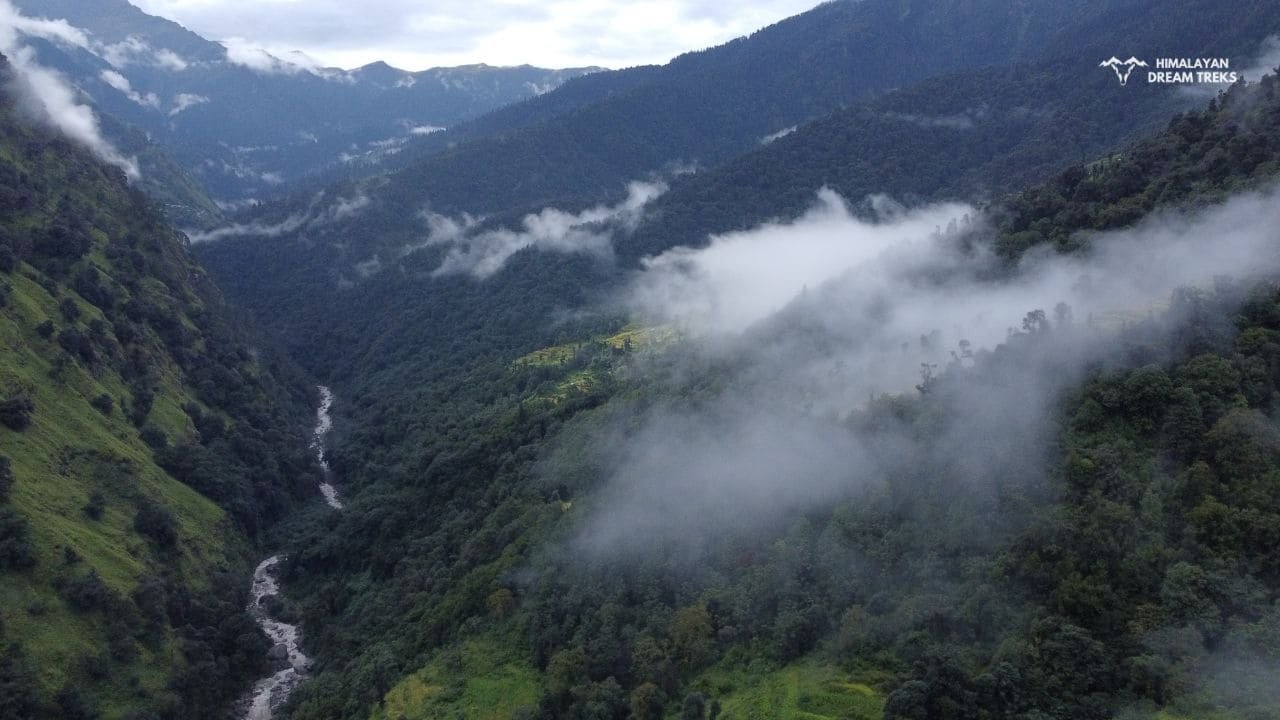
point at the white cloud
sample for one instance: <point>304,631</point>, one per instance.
<point>46,94</point>
<point>883,296</point>
<point>317,215</point>
<point>185,101</point>
<point>484,253</point>
<point>740,278</point>
<point>778,135</point>
<point>414,35</point>
<point>13,23</point>
<point>133,50</point>
<point>245,54</point>
<point>169,59</point>
<point>425,129</point>
<point>121,83</point>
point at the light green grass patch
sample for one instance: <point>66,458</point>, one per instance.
<point>482,680</point>
<point>805,690</point>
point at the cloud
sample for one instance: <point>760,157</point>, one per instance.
<point>185,101</point>
<point>805,323</point>
<point>121,83</point>
<point>425,129</point>
<point>778,135</point>
<point>959,121</point>
<point>245,54</point>
<point>241,52</point>
<point>46,95</point>
<point>1264,62</point>
<point>13,23</point>
<point>483,253</point>
<point>414,35</point>
<point>317,214</point>
<point>741,278</point>
<point>133,50</point>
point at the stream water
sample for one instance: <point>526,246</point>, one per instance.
<point>291,664</point>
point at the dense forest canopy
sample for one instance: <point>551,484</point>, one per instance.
<point>894,362</point>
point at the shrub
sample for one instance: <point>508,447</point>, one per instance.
<point>103,404</point>
<point>95,507</point>
<point>16,412</point>
<point>15,542</point>
<point>6,479</point>
<point>156,524</point>
<point>86,593</point>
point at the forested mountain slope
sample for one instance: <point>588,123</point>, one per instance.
<point>1046,527</point>
<point>147,440</point>
<point>315,279</point>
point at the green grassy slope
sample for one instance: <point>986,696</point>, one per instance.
<point>147,444</point>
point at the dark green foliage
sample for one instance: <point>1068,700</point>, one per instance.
<point>694,707</point>
<point>45,329</point>
<point>1166,170</point>
<point>94,508</point>
<point>104,404</point>
<point>16,412</point>
<point>156,524</point>
<point>18,700</point>
<point>70,309</point>
<point>73,704</point>
<point>6,479</point>
<point>154,438</point>
<point>16,552</point>
<point>85,593</point>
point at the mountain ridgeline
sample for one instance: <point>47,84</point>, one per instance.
<point>149,439</point>
<point>245,123</point>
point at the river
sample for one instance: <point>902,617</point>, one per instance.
<point>291,664</point>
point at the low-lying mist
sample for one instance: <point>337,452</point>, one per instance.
<point>44,94</point>
<point>793,329</point>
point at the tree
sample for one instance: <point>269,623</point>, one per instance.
<point>15,543</point>
<point>15,413</point>
<point>103,404</point>
<point>6,479</point>
<point>691,634</point>
<point>694,707</point>
<point>647,702</point>
<point>94,508</point>
<point>154,522</point>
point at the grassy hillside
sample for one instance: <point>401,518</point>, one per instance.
<point>145,444</point>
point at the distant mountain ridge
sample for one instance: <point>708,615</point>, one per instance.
<point>245,122</point>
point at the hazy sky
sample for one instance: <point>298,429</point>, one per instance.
<point>414,35</point>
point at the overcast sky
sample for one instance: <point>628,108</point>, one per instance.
<point>417,34</point>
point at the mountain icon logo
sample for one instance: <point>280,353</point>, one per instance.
<point>1122,68</point>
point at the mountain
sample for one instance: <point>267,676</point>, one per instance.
<point>622,520</point>
<point>149,438</point>
<point>378,263</point>
<point>245,122</point>
<point>1068,519</point>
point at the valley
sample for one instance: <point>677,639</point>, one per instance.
<point>894,360</point>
